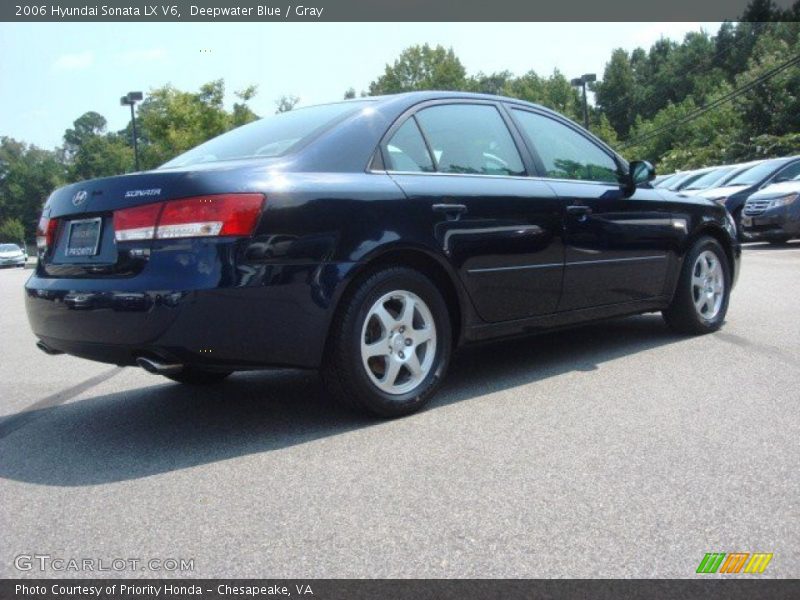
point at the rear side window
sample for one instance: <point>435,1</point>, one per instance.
<point>470,139</point>
<point>566,154</point>
<point>406,151</point>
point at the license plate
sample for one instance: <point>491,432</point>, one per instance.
<point>84,237</point>
<point>747,221</point>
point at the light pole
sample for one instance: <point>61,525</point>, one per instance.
<point>582,81</point>
<point>129,100</point>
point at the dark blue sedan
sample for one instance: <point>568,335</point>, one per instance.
<point>369,239</point>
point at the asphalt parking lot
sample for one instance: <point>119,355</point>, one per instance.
<point>616,450</point>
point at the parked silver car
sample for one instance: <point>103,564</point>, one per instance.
<point>12,255</point>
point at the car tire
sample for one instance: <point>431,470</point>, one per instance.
<point>703,290</point>
<point>396,309</point>
<point>197,376</point>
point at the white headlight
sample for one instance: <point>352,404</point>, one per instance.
<point>783,201</point>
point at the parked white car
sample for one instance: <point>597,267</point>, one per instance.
<point>12,255</point>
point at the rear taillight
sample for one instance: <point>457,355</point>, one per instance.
<point>46,232</point>
<point>203,216</point>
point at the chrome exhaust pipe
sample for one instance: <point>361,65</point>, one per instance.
<point>158,368</point>
<point>47,349</point>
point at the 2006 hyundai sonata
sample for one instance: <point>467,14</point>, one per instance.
<point>369,239</point>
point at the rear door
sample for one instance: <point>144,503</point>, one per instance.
<point>616,247</point>
<point>465,177</point>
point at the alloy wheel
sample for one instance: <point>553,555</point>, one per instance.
<point>398,342</point>
<point>708,285</point>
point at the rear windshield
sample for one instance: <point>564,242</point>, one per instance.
<point>9,248</point>
<point>270,136</point>
<point>754,174</point>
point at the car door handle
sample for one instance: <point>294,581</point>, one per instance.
<point>453,211</point>
<point>579,209</point>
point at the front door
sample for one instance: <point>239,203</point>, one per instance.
<point>616,248</point>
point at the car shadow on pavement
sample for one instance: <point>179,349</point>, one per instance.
<point>168,427</point>
<point>791,245</point>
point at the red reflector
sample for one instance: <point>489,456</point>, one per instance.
<point>137,223</point>
<point>46,232</point>
<point>217,215</point>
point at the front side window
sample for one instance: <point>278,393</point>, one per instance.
<point>754,174</point>
<point>470,139</point>
<point>789,173</point>
<point>406,151</point>
<point>566,154</point>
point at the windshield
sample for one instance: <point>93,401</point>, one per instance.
<point>754,174</point>
<point>709,179</point>
<point>268,137</point>
<point>676,183</point>
<point>665,182</point>
<point>9,248</point>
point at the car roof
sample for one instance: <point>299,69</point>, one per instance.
<point>422,96</point>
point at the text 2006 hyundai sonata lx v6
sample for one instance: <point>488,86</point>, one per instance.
<point>369,239</point>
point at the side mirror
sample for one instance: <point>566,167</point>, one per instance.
<point>639,173</point>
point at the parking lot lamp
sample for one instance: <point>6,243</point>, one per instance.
<point>130,99</point>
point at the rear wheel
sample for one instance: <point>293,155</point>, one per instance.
<point>391,344</point>
<point>701,298</point>
<point>197,376</point>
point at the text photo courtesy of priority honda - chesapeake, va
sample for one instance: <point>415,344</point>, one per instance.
<point>363,300</point>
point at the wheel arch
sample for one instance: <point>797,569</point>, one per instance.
<point>420,259</point>
<point>713,230</point>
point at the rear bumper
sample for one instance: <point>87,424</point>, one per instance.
<point>266,315</point>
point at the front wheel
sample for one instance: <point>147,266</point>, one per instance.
<point>704,285</point>
<point>391,344</point>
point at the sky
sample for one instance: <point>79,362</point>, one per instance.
<point>52,73</point>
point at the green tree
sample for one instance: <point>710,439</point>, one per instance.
<point>771,107</point>
<point>242,114</point>
<point>495,83</point>
<point>421,68</point>
<point>553,92</point>
<point>173,121</point>
<point>615,94</point>
<point>89,151</point>
<point>12,230</point>
<point>27,176</point>
<point>286,103</point>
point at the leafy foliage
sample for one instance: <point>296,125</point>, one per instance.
<point>286,103</point>
<point>421,68</point>
<point>27,176</point>
<point>12,231</point>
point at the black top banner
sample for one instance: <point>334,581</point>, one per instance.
<point>373,10</point>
